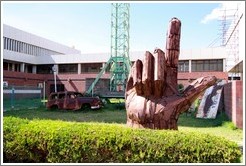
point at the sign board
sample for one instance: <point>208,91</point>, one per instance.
<point>40,85</point>
<point>5,84</point>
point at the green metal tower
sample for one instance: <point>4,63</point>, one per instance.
<point>119,61</point>
<point>119,46</point>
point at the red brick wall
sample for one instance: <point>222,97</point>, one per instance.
<point>72,82</point>
<point>21,79</point>
<point>228,99</point>
<point>77,82</point>
<point>233,102</point>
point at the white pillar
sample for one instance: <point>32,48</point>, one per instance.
<point>79,68</point>
<point>13,67</point>
<point>103,65</point>
<point>224,65</point>
<point>189,66</point>
<point>22,67</point>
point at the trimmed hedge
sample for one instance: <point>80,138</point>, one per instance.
<point>73,142</point>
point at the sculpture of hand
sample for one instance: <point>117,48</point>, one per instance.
<point>152,97</point>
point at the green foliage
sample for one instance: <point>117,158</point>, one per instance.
<point>229,125</point>
<point>72,142</point>
<point>111,113</point>
<point>180,88</point>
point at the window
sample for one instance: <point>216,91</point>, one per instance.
<point>61,96</point>
<point>199,66</point>
<point>24,47</point>
<point>13,46</point>
<point>84,68</point>
<point>44,69</point>
<point>207,65</point>
<point>220,65</point>
<point>27,49</point>
<point>54,96</point>
<point>18,46</point>
<point>31,48</point>
<point>10,67</point>
<point>10,44</point>
<point>71,95</point>
<point>213,65</point>
<point>183,66</point>
<point>68,68</point>
<point>5,42</point>
<point>28,68</point>
<point>5,66</point>
<point>21,47</point>
<point>91,68</point>
<point>17,67</point>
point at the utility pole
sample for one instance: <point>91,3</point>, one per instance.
<point>54,69</point>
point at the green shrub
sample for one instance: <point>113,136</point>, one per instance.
<point>229,125</point>
<point>180,88</point>
<point>73,142</point>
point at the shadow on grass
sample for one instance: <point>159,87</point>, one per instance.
<point>192,121</point>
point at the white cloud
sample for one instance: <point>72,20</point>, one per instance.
<point>227,8</point>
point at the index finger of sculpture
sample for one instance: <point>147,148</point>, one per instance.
<point>173,42</point>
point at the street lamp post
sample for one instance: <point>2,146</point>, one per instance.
<point>54,69</point>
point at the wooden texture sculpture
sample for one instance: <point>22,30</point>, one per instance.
<point>152,97</point>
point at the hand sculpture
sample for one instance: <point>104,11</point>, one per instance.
<point>152,97</point>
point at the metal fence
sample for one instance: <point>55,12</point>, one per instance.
<point>21,97</point>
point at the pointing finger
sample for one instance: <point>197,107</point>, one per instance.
<point>173,42</point>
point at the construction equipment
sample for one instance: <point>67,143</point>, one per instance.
<point>119,61</point>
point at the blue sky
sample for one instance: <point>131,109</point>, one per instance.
<point>87,25</point>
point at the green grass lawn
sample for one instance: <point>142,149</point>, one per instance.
<point>115,113</point>
<point>220,126</point>
<point>102,115</point>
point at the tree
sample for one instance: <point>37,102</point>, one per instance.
<point>152,96</point>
